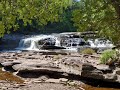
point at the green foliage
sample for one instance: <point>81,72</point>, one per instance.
<point>42,11</point>
<point>88,51</point>
<point>100,15</point>
<point>109,56</point>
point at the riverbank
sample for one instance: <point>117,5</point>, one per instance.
<point>10,82</point>
<point>43,74</point>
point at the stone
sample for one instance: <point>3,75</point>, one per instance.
<point>118,78</point>
<point>118,72</point>
<point>102,67</point>
<point>35,68</point>
<point>53,81</point>
<point>43,78</point>
<point>88,67</point>
<point>4,88</point>
<point>65,66</point>
<point>21,85</point>
<point>51,89</point>
<point>37,81</point>
<point>96,74</point>
<point>111,77</point>
<point>63,80</point>
<point>71,83</point>
<point>5,64</point>
<point>10,63</point>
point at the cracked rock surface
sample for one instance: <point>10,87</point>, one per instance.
<point>31,64</point>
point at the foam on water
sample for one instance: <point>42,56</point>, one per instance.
<point>31,43</point>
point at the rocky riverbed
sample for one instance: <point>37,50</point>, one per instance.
<point>56,71</point>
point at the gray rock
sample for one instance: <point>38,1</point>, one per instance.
<point>96,74</point>
<point>88,67</point>
<point>25,68</point>
<point>102,67</point>
<point>43,78</point>
<point>5,64</point>
<point>10,63</point>
<point>66,64</point>
<point>53,81</point>
<point>63,80</point>
<point>110,77</point>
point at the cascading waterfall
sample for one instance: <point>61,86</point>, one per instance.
<point>32,43</point>
<point>41,42</point>
<point>101,43</point>
<point>27,44</point>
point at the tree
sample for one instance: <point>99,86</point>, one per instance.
<point>99,15</point>
<point>41,11</point>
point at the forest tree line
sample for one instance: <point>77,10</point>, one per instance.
<point>66,15</point>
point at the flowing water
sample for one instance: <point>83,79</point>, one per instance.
<point>69,43</point>
<point>32,43</point>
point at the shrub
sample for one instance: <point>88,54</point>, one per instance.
<point>109,57</point>
<point>88,51</point>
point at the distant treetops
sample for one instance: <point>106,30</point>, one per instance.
<point>13,12</point>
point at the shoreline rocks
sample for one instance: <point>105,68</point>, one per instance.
<point>80,65</point>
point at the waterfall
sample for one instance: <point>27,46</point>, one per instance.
<point>27,44</point>
<point>32,43</point>
<point>100,43</point>
<point>40,42</point>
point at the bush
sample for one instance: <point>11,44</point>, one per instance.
<point>88,51</point>
<point>109,57</point>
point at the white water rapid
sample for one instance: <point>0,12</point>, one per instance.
<point>32,42</point>
<point>40,42</point>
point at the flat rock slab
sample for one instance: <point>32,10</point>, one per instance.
<point>53,62</point>
<point>10,63</point>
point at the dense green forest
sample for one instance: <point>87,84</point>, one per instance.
<point>61,15</point>
<point>99,15</point>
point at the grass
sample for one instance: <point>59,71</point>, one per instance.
<point>88,51</point>
<point>108,57</point>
